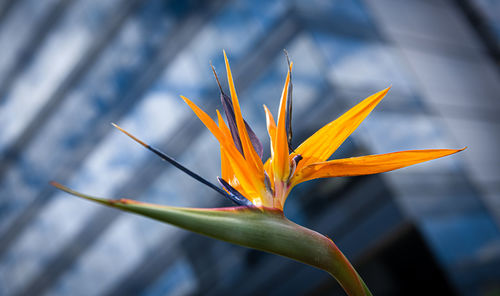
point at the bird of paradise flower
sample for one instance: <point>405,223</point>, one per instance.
<point>260,188</point>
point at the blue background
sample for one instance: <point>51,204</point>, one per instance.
<point>70,67</point>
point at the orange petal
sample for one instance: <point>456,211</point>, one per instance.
<point>222,125</point>
<point>271,129</point>
<point>322,144</point>
<point>226,169</point>
<point>281,164</point>
<point>229,173</point>
<point>245,173</point>
<point>210,124</point>
<point>248,150</point>
<point>371,164</point>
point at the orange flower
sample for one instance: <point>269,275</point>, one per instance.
<point>261,188</point>
<point>268,184</point>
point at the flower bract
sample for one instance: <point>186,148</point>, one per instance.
<point>268,183</point>
<point>260,188</point>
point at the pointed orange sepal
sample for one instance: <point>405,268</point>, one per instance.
<point>249,153</point>
<point>281,163</point>
<point>322,144</point>
<point>370,164</point>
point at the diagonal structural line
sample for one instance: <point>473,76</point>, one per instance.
<point>12,152</point>
<point>104,217</point>
<point>258,59</point>
<point>480,25</point>
<point>5,7</point>
<point>268,48</point>
<point>338,24</point>
<point>82,67</point>
<point>149,269</point>
<point>152,169</point>
<point>171,46</point>
<point>33,43</point>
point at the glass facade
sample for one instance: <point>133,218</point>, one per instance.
<point>69,68</point>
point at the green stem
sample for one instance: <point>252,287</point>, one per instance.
<point>263,229</point>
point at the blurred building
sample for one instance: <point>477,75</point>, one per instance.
<point>70,67</point>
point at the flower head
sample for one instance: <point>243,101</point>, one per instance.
<point>268,183</point>
<point>261,188</point>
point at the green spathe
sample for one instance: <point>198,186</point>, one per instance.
<point>263,229</point>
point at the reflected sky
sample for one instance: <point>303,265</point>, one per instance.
<point>340,57</point>
<point>59,53</point>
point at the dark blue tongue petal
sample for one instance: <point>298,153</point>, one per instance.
<point>257,145</point>
<point>227,104</point>
<point>234,195</point>
<point>231,120</point>
<point>177,164</point>
<point>288,120</point>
